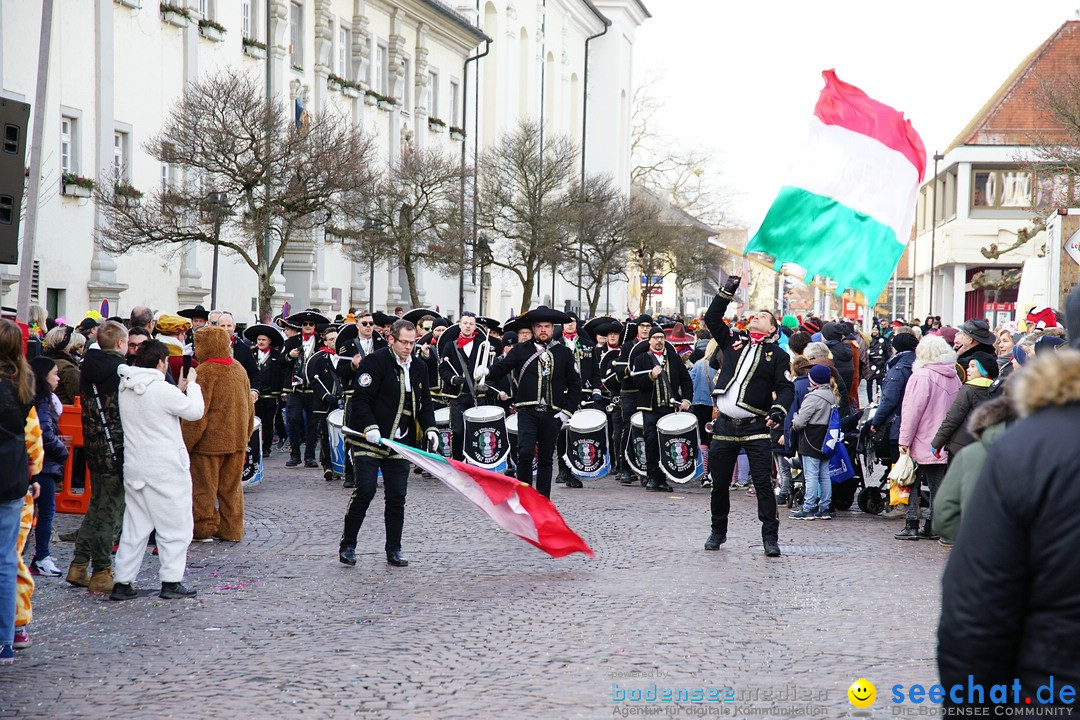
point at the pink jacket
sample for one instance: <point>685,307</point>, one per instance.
<point>927,399</point>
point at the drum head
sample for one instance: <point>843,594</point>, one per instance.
<point>512,424</point>
<point>336,417</point>
<point>588,420</point>
<point>676,422</point>
<point>442,417</point>
<point>638,420</point>
<point>484,413</point>
<point>258,424</point>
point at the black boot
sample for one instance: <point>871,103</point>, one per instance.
<point>346,555</point>
<point>927,532</point>
<point>715,541</point>
<point>626,478</point>
<point>573,482</point>
<point>772,548</point>
<point>910,531</point>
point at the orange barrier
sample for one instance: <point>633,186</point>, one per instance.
<point>69,499</point>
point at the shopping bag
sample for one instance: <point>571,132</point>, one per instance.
<point>840,469</point>
<point>903,470</point>
<point>832,436</point>
<point>898,494</point>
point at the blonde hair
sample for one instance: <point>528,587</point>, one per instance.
<point>54,339</point>
<point>932,349</point>
<point>78,342</point>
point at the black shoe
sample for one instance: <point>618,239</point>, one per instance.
<point>293,462</point>
<point>417,471</point>
<point>123,591</point>
<point>626,479</point>
<point>349,482</point>
<point>311,464</point>
<point>563,477</point>
<point>659,487</point>
<point>394,558</point>
<point>347,555</point>
<point>573,482</point>
<point>782,499</point>
<point>910,531</point>
<point>715,541</point>
<point>266,452</point>
<point>175,591</point>
<point>927,532</point>
<point>772,549</point>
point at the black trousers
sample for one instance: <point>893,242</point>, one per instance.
<point>266,408</point>
<point>458,406</point>
<point>627,406</point>
<point>652,445</point>
<point>728,440</point>
<point>302,424</point>
<point>537,430</point>
<point>615,425</point>
<point>395,471</point>
<point>319,411</point>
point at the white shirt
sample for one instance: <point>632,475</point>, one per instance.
<point>727,403</point>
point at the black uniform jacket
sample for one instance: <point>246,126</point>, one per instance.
<point>560,386</point>
<point>672,384</point>
<point>582,349</point>
<point>378,401</point>
<point>346,350</point>
<point>611,378</point>
<point>457,376</point>
<point>323,380</point>
<point>292,369</point>
<point>766,388</point>
<point>267,380</point>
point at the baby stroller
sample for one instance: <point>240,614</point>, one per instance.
<point>873,495</point>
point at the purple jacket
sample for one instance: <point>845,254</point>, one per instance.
<point>927,399</point>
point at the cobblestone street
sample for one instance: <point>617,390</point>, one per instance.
<point>481,624</point>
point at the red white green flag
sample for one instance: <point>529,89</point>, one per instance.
<point>848,205</point>
<point>515,506</point>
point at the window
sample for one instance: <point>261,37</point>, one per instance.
<point>455,99</point>
<point>169,173</point>
<point>382,69</point>
<point>406,85</point>
<point>120,160</point>
<point>1001,189</point>
<point>68,162</point>
<point>206,9</point>
<point>344,67</point>
<point>296,29</point>
<point>432,99</point>
<point>245,18</point>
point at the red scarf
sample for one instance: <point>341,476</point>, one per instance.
<point>756,338</point>
<point>571,336</point>
<point>657,354</point>
<point>613,347</point>
<point>306,336</point>
<point>462,341</point>
<point>220,361</point>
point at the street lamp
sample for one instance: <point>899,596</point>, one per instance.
<point>933,236</point>
<point>217,205</point>
<point>375,226</point>
<point>483,252</point>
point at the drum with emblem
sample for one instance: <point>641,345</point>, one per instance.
<point>335,420</point>
<point>486,444</point>
<point>442,424</point>
<point>253,461</point>
<point>587,444</point>
<point>634,452</point>
<point>680,448</point>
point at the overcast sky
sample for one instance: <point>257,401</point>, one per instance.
<point>742,77</point>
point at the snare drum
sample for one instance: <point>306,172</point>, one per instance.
<point>335,420</point>
<point>253,462</point>
<point>635,445</point>
<point>486,443</point>
<point>587,444</point>
<point>442,424</point>
<point>680,456</point>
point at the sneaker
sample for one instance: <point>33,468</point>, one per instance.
<point>945,543</point>
<point>175,591</point>
<point>123,591</point>
<point>751,491</point>
<point>824,515</point>
<point>22,639</point>
<point>293,462</point>
<point>706,483</point>
<point>803,515</point>
<point>311,464</point>
<point>45,567</point>
<point>7,655</point>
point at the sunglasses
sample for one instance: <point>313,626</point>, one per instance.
<point>307,324</point>
<point>367,324</point>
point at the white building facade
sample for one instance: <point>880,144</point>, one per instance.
<point>118,66</point>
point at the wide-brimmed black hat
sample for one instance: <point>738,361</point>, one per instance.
<point>253,332</point>
<point>542,313</point>
<point>414,316</point>
<point>454,331</point>
<point>196,312</point>
<point>490,323</point>
<point>599,325</point>
<point>299,318</point>
<point>515,324</point>
<point>382,318</point>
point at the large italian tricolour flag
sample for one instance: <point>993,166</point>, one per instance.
<point>515,506</point>
<point>847,207</point>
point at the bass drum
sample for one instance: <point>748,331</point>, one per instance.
<point>253,461</point>
<point>335,421</point>
<point>486,444</point>
<point>680,449</point>
<point>587,444</point>
<point>635,445</point>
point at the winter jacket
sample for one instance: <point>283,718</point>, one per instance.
<point>843,355</point>
<point>69,375</point>
<point>897,374</point>
<point>701,377</point>
<point>927,399</point>
<point>151,410</point>
<point>877,355</point>
<point>56,452</point>
<point>15,478</point>
<point>812,420</point>
<point>987,423</point>
<point>1010,603</point>
<point>103,433</point>
<point>953,434</point>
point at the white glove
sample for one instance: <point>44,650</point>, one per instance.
<point>564,417</point>
<point>433,441</point>
<point>373,436</point>
<point>480,373</point>
<point>482,388</point>
<point>684,405</point>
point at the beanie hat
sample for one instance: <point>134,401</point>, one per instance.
<point>1047,343</point>
<point>820,375</point>
<point>988,366</point>
<point>811,326</point>
<point>902,342</point>
<point>789,321</point>
<point>1041,317</point>
<point>1019,355</point>
<point>949,333</point>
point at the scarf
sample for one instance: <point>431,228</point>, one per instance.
<point>462,341</point>
<point>571,336</point>
<point>220,361</point>
<point>306,337</point>
<point>756,338</point>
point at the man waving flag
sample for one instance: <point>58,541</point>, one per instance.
<point>847,207</point>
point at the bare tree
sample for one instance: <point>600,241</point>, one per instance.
<point>248,169</point>
<point>411,217</point>
<point>522,195</point>
<point>596,226</point>
<point>651,239</point>
<point>695,260</point>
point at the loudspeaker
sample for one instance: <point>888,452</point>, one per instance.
<point>14,132</point>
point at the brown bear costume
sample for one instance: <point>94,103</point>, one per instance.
<point>218,441</point>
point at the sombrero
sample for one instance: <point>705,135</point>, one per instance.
<point>253,332</point>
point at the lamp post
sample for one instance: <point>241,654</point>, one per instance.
<point>483,253</point>
<point>217,204</point>
<point>933,235</point>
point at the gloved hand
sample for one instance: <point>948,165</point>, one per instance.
<point>564,417</point>
<point>482,388</point>
<point>596,395</point>
<point>777,417</point>
<point>433,441</point>
<point>732,284</point>
<point>457,381</point>
<point>684,405</point>
<point>341,404</point>
<point>480,372</point>
<point>373,436</point>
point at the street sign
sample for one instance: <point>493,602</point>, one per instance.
<point>1072,246</point>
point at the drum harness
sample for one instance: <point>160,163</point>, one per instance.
<point>544,355</point>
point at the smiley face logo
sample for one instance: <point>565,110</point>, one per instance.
<point>862,693</point>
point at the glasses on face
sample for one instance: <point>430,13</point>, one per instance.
<point>307,324</point>
<point>367,324</point>
<point>134,345</point>
<point>403,342</point>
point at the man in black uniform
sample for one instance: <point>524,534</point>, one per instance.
<point>463,351</point>
<point>581,345</point>
<point>355,341</point>
<point>326,391</point>
<point>605,354</point>
<point>627,392</point>
<point>298,350</point>
<point>267,341</point>
<point>390,399</point>
<point>753,394</point>
<point>547,394</point>
<point>661,379</point>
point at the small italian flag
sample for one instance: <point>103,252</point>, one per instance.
<point>515,506</point>
<point>847,208</point>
